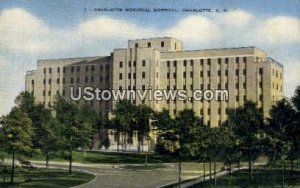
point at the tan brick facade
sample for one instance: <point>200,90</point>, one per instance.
<point>160,63</point>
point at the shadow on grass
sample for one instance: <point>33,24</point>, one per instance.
<point>260,178</point>
<point>50,178</point>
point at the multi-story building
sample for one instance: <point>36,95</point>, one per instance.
<point>161,63</point>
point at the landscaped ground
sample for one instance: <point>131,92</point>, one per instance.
<point>50,178</point>
<point>261,178</point>
<point>107,157</point>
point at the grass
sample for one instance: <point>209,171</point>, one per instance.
<point>111,157</point>
<point>260,178</point>
<point>46,178</point>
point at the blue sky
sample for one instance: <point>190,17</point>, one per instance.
<point>32,30</point>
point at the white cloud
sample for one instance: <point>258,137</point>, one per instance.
<point>237,18</point>
<point>197,29</point>
<point>3,62</point>
<point>103,27</point>
<point>291,77</point>
<point>281,29</point>
<point>22,31</point>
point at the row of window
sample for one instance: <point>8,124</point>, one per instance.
<point>87,80</point>
<point>275,73</point>
<point>77,68</point>
<point>134,63</point>
<point>237,60</point>
<point>162,44</point>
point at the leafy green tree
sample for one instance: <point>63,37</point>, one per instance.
<point>124,117</point>
<point>247,123</point>
<point>142,116</point>
<point>294,132</point>
<point>17,132</point>
<point>75,131</point>
<point>181,132</point>
<point>280,130</point>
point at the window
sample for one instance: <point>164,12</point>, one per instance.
<point>244,85</point>
<point>237,59</point>
<point>184,74</point>
<point>175,45</point>
<point>143,87</point>
<point>32,81</point>
<point>192,62</point>
<point>168,63</point>
<point>219,111</point>
<point>129,75</point>
<point>134,63</point>
<point>219,73</point>
<point>184,63</point>
<point>219,61</point>
<point>78,79</point>
<point>184,87</point>
<point>261,97</point>
<point>120,64</point>
<point>191,74</point>
<point>64,70</point>
<point>86,79</point>
<point>226,85</point>
<point>174,75</point>
<point>93,67</point>
<point>174,63</point>
<point>237,85</point>
<point>101,78</point>
<point>208,61</point>
<point>50,70</point>
<point>191,87</point>
<point>134,75</point>
<point>237,98</point>
<point>208,73</point>
<point>144,63</point>
<point>226,72</point>
<point>129,63</point>
<point>201,74</point>
<point>260,70</point>
<point>44,81</point>
<point>57,80</point>
<point>120,88</point>
<point>136,45</point>
<point>92,79</point>
<point>107,67</point>
<point>208,111</point>
<point>71,80</point>
<point>245,59</point>
<point>162,44</point>
<point>208,86</point>
<point>245,98</point>
<point>49,92</point>
<point>72,69</point>
<point>201,61</point>
<point>237,72</point>
<point>168,75</point>
<point>120,76</point>
<point>219,86</point>
<point>58,69</point>
<point>64,93</point>
<point>143,75</point>
<point>78,69</point>
<point>64,80</point>
<point>226,60</point>
<point>44,93</point>
<point>244,71</point>
<point>149,44</point>
<point>44,70</point>
<point>49,81</point>
<point>86,68</point>
<point>101,67</point>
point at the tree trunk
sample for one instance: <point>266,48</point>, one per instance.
<point>239,163</point>
<point>215,172</point>
<point>47,160</point>
<point>118,141</point>
<point>12,168</point>
<point>210,175</point>
<point>204,171</point>
<point>179,173</point>
<point>70,161</point>
<point>282,171</point>
<point>292,167</point>
<point>230,168</point>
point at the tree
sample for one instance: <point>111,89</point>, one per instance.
<point>142,116</point>
<point>17,132</point>
<point>247,123</point>
<point>280,130</point>
<point>75,131</point>
<point>181,132</point>
<point>124,117</point>
<point>294,132</point>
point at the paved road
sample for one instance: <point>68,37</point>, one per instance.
<point>112,176</point>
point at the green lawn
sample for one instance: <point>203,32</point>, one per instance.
<point>261,178</point>
<point>50,178</point>
<point>106,157</point>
